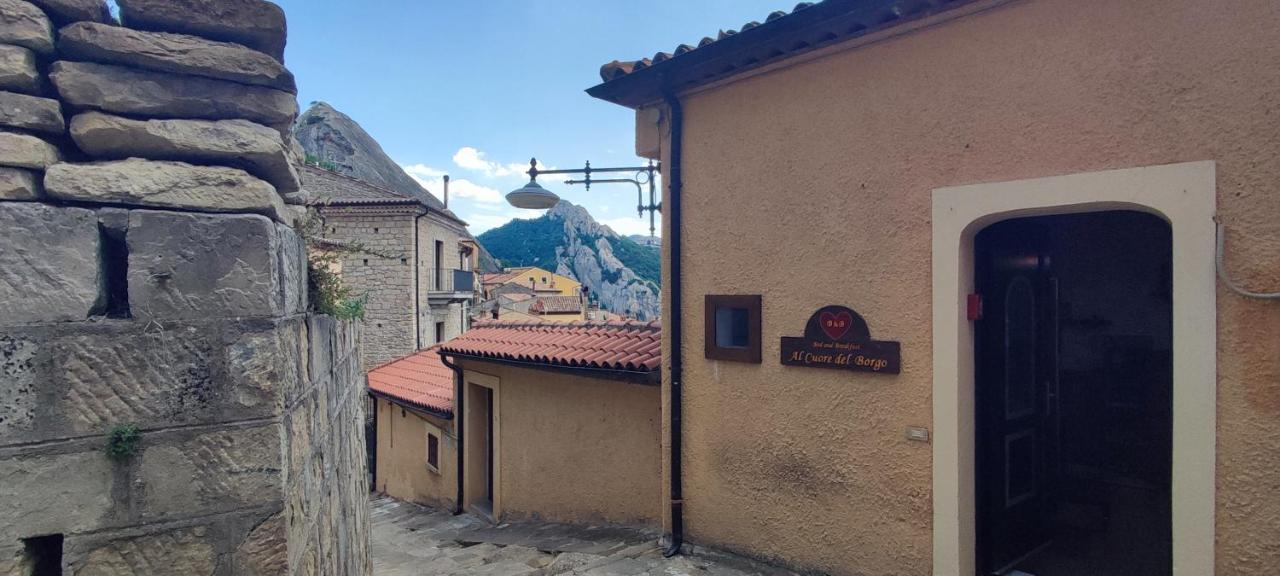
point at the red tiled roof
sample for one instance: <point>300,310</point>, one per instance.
<point>420,379</point>
<point>557,305</point>
<point>623,346</point>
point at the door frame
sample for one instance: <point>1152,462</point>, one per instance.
<point>1182,194</point>
<point>473,475</point>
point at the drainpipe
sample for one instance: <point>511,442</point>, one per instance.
<point>675,184</point>
<point>457,424</point>
<point>417,293</point>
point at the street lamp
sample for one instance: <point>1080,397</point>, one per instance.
<point>533,196</point>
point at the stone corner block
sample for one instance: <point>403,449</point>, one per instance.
<point>185,266</point>
<point>50,269</point>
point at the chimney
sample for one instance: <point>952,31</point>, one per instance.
<point>446,191</point>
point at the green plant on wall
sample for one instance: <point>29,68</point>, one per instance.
<point>122,442</point>
<point>327,293</point>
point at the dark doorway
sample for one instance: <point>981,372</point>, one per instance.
<point>44,555</point>
<point>1074,395</point>
<point>488,443</point>
<point>439,266</point>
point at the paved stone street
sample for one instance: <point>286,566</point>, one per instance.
<point>413,540</point>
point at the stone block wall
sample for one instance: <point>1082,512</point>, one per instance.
<point>383,271</point>
<point>151,277</point>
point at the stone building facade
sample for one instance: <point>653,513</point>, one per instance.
<point>412,260</point>
<point>167,403</point>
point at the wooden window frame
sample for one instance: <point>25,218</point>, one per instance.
<point>749,354</point>
<point>433,467</point>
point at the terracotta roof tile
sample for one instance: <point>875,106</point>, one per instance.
<point>624,346</point>
<point>420,379</point>
<point>556,304</point>
<point>808,26</point>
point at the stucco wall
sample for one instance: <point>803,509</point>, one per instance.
<point>819,174</point>
<point>402,470</point>
<point>386,275</point>
<point>575,449</point>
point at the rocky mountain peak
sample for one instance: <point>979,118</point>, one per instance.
<point>624,276</point>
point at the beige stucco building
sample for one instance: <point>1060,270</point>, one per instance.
<point>412,258</point>
<point>520,420</point>
<point>1065,164</point>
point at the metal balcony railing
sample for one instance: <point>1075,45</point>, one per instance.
<point>450,280</point>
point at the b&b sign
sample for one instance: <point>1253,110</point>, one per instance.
<point>837,337</point>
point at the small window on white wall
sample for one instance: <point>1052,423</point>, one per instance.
<point>433,452</point>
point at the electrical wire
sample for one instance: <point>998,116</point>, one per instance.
<point>1220,263</point>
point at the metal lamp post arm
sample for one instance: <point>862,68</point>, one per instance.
<point>647,171</point>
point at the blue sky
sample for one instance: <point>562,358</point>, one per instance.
<point>473,88</point>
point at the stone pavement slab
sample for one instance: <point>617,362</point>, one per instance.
<point>409,539</point>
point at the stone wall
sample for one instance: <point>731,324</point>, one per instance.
<point>151,277</point>
<point>383,270</point>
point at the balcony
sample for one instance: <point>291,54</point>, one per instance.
<point>449,285</point>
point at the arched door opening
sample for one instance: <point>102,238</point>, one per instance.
<point>1073,395</point>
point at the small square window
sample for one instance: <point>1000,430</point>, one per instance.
<point>733,328</point>
<point>433,452</point>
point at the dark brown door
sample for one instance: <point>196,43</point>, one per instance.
<point>1016,393</point>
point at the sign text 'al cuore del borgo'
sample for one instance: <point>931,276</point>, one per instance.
<point>837,337</point>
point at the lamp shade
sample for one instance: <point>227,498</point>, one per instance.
<point>532,197</point>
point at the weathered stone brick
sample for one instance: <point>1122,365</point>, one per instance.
<point>31,113</point>
<point>54,494</point>
<point>184,551</point>
<point>163,184</point>
<point>162,95</point>
<point>65,11</point>
<point>265,551</point>
<point>27,151</point>
<point>151,379</point>
<point>18,70</point>
<point>18,184</point>
<point>25,25</point>
<point>293,270</point>
<point>255,23</point>
<point>214,471</point>
<point>195,266</point>
<point>49,268</point>
<point>264,368</point>
<point>176,53</point>
<point>242,144</point>
<point>18,395</point>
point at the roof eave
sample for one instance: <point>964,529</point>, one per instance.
<point>819,26</point>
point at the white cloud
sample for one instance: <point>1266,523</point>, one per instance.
<point>631,225</point>
<point>472,159</point>
<point>433,180</point>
